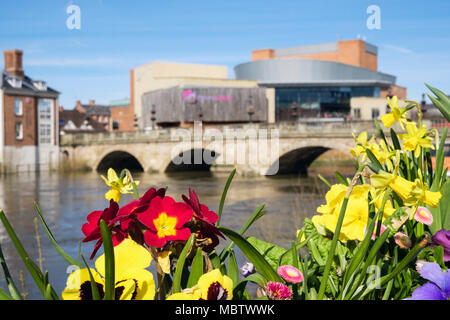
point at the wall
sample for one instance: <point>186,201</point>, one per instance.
<point>366,104</point>
<point>394,90</point>
<point>161,75</point>
<point>124,115</point>
<point>216,104</point>
<point>351,52</point>
<point>28,119</point>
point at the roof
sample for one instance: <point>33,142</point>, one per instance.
<point>81,121</point>
<point>14,84</point>
<point>97,109</point>
<point>120,102</point>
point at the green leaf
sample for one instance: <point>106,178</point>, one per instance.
<point>176,286</point>
<point>441,101</point>
<point>34,271</point>
<point>252,254</point>
<point>441,214</point>
<point>341,178</point>
<point>224,194</point>
<point>258,213</point>
<point>63,254</point>
<point>336,234</point>
<point>440,155</point>
<point>233,269</point>
<point>375,163</point>
<point>395,140</point>
<point>271,252</point>
<point>94,287</point>
<point>196,268</point>
<point>108,248</point>
<point>15,294</point>
<point>4,295</point>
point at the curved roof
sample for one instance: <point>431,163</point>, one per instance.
<point>308,72</point>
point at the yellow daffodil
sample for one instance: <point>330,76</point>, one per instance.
<point>399,185</point>
<point>133,281</point>
<point>383,155</point>
<point>118,185</point>
<point>397,114</point>
<point>416,138</point>
<point>362,144</point>
<point>421,194</point>
<point>210,286</point>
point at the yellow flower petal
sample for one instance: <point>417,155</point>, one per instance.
<point>78,281</point>
<point>113,194</point>
<point>127,255</point>
<point>164,261</point>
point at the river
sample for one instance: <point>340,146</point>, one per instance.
<point>66,200</point>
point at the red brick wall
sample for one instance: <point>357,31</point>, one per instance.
<point>124,116</point>
<point>28,118</point>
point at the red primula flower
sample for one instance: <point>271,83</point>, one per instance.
<point>205,221</point>
<point>128,212</point>
<point>91,229</point>
<point>165,221</point>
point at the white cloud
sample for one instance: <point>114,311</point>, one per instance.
<point>397,48</point>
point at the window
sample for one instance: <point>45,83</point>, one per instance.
<point>357,113</point>
<point>45,121</point>
<point>19,130</point>
<point>375,113</point>
<point>18,107</point>
<point>115,125</point>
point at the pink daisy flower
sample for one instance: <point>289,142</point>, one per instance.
<point>277,291</point>
<point>290,274</point>
<point>424,216</point>
<point>402,240</point>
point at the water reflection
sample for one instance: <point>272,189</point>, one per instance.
<point>66,199</point>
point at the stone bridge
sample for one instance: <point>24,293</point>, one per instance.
<point>251,148</point>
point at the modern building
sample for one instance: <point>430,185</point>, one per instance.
<point>173,94</point>
<point>28,119</point>
<point>319,80</point>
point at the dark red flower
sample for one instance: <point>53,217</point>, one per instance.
<point>129,211</point>
<point>205,220</point>
<point>91,229</point>
<point>165,220</point>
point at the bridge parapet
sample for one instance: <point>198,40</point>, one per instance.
<point>303,129</point>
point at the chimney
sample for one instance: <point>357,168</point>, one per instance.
<point>61,108</point>
<point>91,102</point>
<point>13,62</point>
<point>79,107</point>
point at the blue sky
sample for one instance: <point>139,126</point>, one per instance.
<point>115,36</point>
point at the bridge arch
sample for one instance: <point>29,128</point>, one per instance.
<point>118,160</point>
<point>197,159</point>
<point>296,158</point>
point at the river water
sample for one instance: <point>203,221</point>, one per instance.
<point>66,199</point>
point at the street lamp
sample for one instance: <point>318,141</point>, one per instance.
<point>250,109</point>
<point>153,118</point>
<point>294,110</point>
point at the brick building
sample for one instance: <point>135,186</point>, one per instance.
<point>28,119</point>
<point>122,116</point>
<point>97,112</point>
